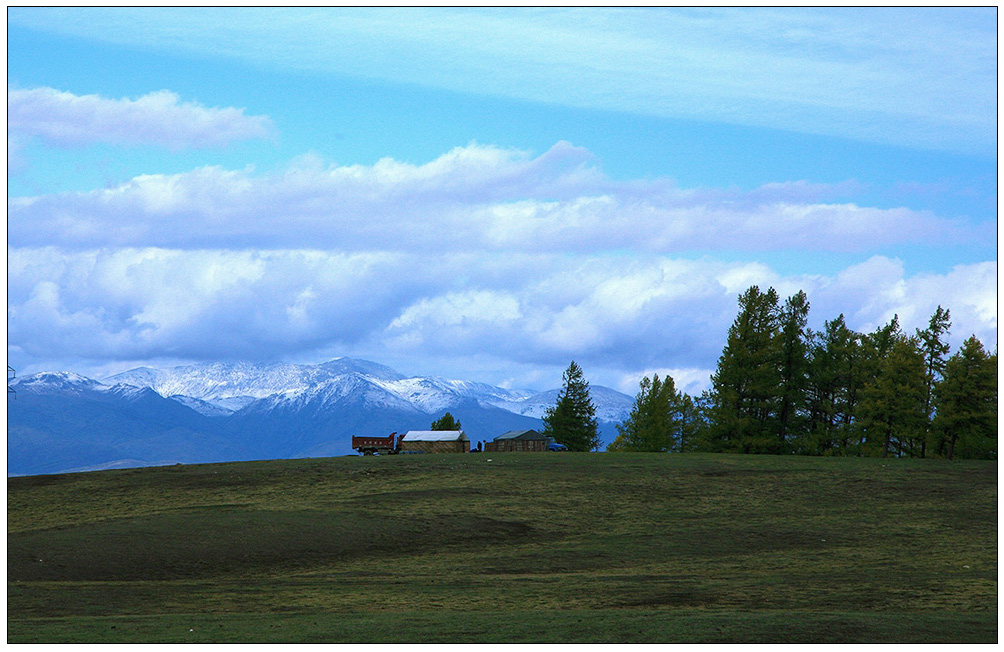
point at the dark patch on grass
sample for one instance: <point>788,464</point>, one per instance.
<point>737,473</point>
<point>666,597</point>
<point>29,481</point>
<point>443,493</point>
<point>552,559</point>
<point>217,541</point>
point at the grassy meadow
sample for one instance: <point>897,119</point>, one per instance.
<point>508,548</point>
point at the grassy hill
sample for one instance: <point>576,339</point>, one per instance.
<point>532,548</point>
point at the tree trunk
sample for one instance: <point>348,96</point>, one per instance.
<point>951,447</point>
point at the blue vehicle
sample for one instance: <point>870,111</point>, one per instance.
<point>556,447</point>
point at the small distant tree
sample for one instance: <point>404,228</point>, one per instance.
<point>446,422</point>
<point>572,420</point>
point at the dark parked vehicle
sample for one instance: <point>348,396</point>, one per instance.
<point>389,445</point>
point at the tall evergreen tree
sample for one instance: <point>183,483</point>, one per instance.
<point>935,349</point>
<point>572,420</point>
<point>745,383</point>
<point>833,389</point>
<point>966,402</point>
<point>657,419</point>
<point>701,437</point>
<point>875,347</point>
<point>892,403</point>
<point>793,365</point>
<point>879,342</point>
<point>692,423</point>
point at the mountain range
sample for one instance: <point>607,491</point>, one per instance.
<point>216,412</point>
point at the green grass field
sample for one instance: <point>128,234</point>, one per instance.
<point>508,547</point>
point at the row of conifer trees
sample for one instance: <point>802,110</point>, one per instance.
<point>782,388</point>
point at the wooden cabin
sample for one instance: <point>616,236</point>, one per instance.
<point>435,441</point>
<point>518,441</point>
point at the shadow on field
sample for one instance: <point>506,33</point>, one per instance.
<point>221,540</point>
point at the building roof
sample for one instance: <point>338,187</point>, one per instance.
<point>435,435</point>
<point>521,434</point>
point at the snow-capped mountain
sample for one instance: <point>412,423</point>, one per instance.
<point>56,381</point>
<point>230,387</point>
<point>435,394</point>
<point>241,410</point>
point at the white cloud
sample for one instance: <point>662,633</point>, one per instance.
<point>158,118</point>
<point>16,162</point>
<point>474,197</point>
<point>461,309</point>
<point>883,290</point>
<point>134,303</point>
<point>689,380</point>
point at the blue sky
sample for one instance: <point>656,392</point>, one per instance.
<point>489,193</point>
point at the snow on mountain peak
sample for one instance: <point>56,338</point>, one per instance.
<point>231,386</point>
<point>217,382</point>
<point>56,380</point>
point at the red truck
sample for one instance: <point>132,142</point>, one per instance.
<point>388,445</point>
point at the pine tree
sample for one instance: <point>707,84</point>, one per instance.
<point>892,403</point>
<point>833,388</point>
<point>572,420</point>
<point>745,384</point>
<point>879,343</point>
<point>446,422</point>
<point>794,370</point>
<point>657,419</point>
<point>935,349</point>
<point>692,423</point>
<point>702,436</point>
<point>966,403</point>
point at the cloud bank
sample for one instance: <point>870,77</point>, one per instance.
<point>474,197</point>
<point>611,312</point>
